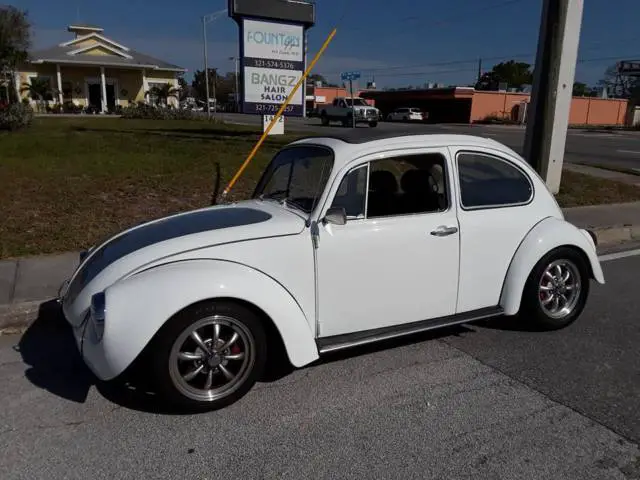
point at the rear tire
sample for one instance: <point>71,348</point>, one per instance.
<point>373,124</point>
<point>215,367</point>
<point>556,290</point>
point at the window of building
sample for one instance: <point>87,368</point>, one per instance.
<point>488,181</point>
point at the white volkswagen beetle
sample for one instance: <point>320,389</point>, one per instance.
<point>347,240</point>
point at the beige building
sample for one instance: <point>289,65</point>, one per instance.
<point>92,70</point>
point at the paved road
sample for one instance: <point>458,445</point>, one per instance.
<point>615,149</point>
<point>474,402</point>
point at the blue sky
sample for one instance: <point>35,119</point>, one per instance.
<point>400,42</point>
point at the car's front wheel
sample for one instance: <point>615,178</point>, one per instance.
<point>209,356</point>
<point>557,289</point>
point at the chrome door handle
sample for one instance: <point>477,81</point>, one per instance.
<point>443,231</point>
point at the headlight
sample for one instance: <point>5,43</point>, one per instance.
<point>98,313</point>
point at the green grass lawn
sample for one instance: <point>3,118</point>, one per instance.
<point>66,183</point>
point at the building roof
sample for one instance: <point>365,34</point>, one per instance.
<point>96,49</point>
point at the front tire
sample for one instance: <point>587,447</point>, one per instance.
<point>556,291</point>
<point>324,119</point>
<point>373,124</point>
<point>209,356</point>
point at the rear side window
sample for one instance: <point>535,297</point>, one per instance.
<point>488,181</point>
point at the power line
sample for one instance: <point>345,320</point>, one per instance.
<point>467,61</point>
<point>446,20</point>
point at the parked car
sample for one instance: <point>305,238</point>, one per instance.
<point>407,114</point>
<point>347,239</point>
<point>343,109</point>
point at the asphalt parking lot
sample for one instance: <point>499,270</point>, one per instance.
<point>479,401</point>
<point>621,150</point>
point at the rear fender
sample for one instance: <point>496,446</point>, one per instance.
<point>547,235</point>
<point>138,306</point>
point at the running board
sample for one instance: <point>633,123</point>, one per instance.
<point>349,340</point>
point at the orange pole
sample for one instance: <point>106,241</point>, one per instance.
<point>277,115</point>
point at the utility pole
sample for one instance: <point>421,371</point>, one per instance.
<point>554,74</point>
<point>237,90</point>
<point>206,67</point>
<point>353,107</point>
<point>206,19</point>
<point>479,70</point>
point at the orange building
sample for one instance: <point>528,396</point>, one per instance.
<point>467,105</point>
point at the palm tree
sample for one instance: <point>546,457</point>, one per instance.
<point>39,90</point>
<point>161,94</point>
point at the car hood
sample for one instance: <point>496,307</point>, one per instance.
<point>147,243</point>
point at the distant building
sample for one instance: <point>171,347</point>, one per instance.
<point>92,70</point>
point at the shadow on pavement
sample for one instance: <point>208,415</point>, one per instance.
<point>50,352</point>
<point>54,364</point>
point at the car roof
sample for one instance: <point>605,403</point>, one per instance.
<point>349,143</point>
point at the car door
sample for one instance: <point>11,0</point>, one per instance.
<point>495,211</point>
<point>395,260</point>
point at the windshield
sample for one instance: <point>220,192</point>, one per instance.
<point>296,176</point>
<point>358,102</point>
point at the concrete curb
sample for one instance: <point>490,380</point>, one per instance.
<point>18,316</point>
<point>618,234</point>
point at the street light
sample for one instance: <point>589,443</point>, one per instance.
<point>236,59</point>
<point>207,19</point>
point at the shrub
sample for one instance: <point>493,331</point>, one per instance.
<point>494,119</point>
<point>70,107</point>
<point>151,112</point>
<point>15,116</point>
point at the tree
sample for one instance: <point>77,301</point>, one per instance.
<point>15,41</point>
<point>199,86</point>
<point>581,90</point>
<point>514,74</point>
<point>185,89</point>
<point>220,87</point>
<point>39,90</point>
<point>161,94</point>
<point>316,77</point>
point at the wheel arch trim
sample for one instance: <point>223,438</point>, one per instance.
<point>547,235</point>
<point>151,295</point>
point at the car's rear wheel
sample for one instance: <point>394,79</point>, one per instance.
<point>556,291</point>
<point>373,124</point>
<point>209,356</point>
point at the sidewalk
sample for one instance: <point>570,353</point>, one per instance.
<point>26,283</point>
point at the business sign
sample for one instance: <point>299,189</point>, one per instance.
<point>273,56</point>
<point>275,41</point>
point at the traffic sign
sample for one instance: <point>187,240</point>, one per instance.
<point>349,76</point>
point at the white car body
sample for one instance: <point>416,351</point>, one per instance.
<point>324,286</point>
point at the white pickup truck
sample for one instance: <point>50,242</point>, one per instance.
<point>341,110</point>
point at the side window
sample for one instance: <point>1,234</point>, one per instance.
<point>407,185</point>
<point>488,181</point>
<point>351,193</point>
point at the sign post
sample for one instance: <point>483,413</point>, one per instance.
<point>350,77</point>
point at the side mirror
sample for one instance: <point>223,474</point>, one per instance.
<point>335,215</point>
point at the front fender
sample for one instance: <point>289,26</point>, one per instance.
<point>138,306</point>
<point>548,234</point>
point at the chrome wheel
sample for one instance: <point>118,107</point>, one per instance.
<point>559,289</point>
<point>212,358</point>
